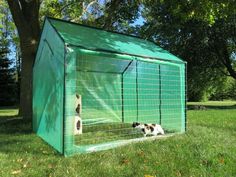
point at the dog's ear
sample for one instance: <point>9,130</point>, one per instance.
<point>77,96</point>
<point>134,124</point>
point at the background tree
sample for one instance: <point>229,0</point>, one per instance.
<point>118,15</point>
<point>26,16</point>
<point>8,91</point>
<point>8,94</point>
<point>201,32</point>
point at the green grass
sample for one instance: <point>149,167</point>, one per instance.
<point>5,112</point>
<point>207,149</point>
<point>215,104</point>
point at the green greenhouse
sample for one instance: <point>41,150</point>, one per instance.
<point>90,85</point>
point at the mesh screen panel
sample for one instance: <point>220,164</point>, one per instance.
<point>117,92</point>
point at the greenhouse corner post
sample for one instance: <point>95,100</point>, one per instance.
<point>64,111</point>
<point>64,81</point>
<point>137,86</point>
<point>122,88</point>
<point>160,92</point>
<point>122,96</point>
<point>185,95</point>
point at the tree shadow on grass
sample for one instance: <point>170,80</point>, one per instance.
<point>23,145</point>
<point>206,107</point>
<point>14,125</point>
<point>16,136</point>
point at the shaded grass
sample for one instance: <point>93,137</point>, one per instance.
<point>207,149</point>
<point>214,104</point>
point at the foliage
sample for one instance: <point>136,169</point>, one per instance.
<point>203,151</point>
<point>118,15</point>
<point>7,71</point>
<point>68,9</point>
<point>27,16</point>
<point>225,90</point>
<point>7,82</point>
<point>201,32</point>
<point>112,15</point>
<point>8,42</point>
<point>7,26</point>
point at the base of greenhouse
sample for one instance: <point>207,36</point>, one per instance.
<point>77,149</point>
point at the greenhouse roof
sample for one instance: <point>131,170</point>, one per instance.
<point>98,39</point>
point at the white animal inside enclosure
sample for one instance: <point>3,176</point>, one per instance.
<point>149,129</point>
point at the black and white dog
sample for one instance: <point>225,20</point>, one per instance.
<point>149,129</point>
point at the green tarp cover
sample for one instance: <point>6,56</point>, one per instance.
<point>117,83</point>
<point>93,38</point>
<point>48,88</point>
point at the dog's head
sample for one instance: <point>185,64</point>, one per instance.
<point>137,125</point>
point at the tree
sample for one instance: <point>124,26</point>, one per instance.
<point>111,15</point>
<point>118,15</point>
<point>8,89</point>
<point>7,82</point>
<point>26,16</point>
<point>201,32</point>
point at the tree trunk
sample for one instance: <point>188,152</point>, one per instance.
<point>26,84</point>
<point>220,48</point>
<point>26,17</point>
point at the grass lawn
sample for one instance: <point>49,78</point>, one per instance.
<point>207,149</point>
<point>7,112</point>
<point>105,132</point>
